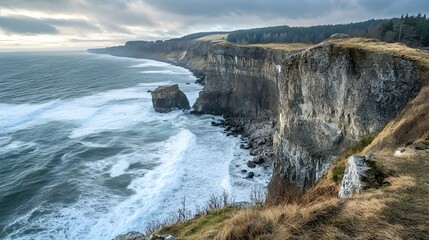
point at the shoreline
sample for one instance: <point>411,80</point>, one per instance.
<point>258,142</point>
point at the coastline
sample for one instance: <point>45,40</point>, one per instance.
<point>312,103</point>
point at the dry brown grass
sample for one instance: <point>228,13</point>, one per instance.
<point>213,37</point>
<point>276,222</point>
<point>282,46</point>
<point>396,49</point>
<point>398,211</point>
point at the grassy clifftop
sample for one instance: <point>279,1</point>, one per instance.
<point>396,49</point>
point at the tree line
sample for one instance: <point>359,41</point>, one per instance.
<point>410,30</point>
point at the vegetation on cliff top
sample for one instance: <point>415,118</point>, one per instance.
<point>396,49</point>
<point>410,30</point>
<point>282,46</point>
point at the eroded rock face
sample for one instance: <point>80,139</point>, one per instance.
<point>331,97</point>
<point>323,99</point>
<point>241,81</point>
<point>167,98</point>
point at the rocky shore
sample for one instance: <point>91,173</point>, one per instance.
<point>256,137</point>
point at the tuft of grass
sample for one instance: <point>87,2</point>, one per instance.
<point>375,176</point>
<point>422,145</point>
<point>338,173</point>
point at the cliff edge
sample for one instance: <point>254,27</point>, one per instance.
<point>323,99</point>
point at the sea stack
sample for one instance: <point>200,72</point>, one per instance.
<point>167,98</point>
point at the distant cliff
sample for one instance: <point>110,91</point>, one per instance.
<point>191,54</point>
<point>319,100</point>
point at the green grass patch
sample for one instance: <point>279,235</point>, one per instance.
<point>338,173</point>
<point>375,175</point>
<point>422,145</point>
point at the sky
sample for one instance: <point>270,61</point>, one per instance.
<point>81,24</point>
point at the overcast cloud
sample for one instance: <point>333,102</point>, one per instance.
<point>78,24</point>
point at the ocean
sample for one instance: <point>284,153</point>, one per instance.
<point>83,154</point>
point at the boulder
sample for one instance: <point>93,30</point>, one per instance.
<point>251,164</point>
<point>258,160</point>
<point>218,123</point>
<point>250,175</point>
<point>354,175</point>
<point>167,98</point>
<point>245,146</point>
<point>254,152</point>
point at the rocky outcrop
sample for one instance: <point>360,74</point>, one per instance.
<point>354,175</point>
<point>167,98</point>
<point>361,173</point>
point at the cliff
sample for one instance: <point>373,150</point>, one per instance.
<point>323,99</point>
<point>191,54</point>
<point>243,80</point>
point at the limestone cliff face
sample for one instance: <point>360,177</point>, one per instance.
<point>241,81</point>
<point>324,98</point>
<point>330,97</point>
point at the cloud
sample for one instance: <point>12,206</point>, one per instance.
<point>273,8</point>
<point>162,19</point>
<point>26,25</point>
<point>71,23</point>
<point>126,12</point>
<point>395,7</point>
